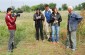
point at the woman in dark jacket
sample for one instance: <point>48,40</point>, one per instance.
<point>39,18</point>
<point>55,22</point>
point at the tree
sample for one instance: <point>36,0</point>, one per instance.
<point>60,9</point>
<point>13,7</point>
<point>33,8</point>
<point>52,5</point>
<point>78,7</point>
<point>40,6</point>
<point>83,5</point>
<point>26,8</point>
<point>18,8</point>
<point>64,7</point>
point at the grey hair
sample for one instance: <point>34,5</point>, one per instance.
<point>70,7</point>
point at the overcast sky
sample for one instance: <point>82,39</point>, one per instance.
<point>4,4</point>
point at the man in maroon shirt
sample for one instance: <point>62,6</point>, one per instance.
<point>10,21</point>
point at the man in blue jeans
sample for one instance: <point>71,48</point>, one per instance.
<point>73,20</point>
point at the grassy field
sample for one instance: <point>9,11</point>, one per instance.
<point>25,38</point>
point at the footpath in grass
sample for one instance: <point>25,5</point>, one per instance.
<point>26,43</point>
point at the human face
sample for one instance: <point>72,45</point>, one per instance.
<point>37,11</point>
<point>55,10</point>
<point>69,10</point>
<point>46,8</point>
<point>10,12</point>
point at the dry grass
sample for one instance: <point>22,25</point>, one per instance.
<point>26,43</point>
<point>81,28</point>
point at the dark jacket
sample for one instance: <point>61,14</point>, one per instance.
<point>38,19</point>
<point>73,20</point>
<point>58,18</point>
<point>10,22</point>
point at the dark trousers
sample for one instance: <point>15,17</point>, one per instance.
<point>39,31</point>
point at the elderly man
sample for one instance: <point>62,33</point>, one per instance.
<point>73,21</point>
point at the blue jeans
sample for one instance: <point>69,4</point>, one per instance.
<point>55,33</point>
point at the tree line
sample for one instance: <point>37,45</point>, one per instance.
<point>27,8</point>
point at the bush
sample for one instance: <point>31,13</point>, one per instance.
<point>81,28</point>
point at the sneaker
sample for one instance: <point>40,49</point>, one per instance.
<point>10,51</point>
<point>43,40</point>
<point>37,40</point>
<point>48,36</point>
<point>57,42</point>
<point>49,39</point>
<point>67,47</point>
<point>73,49</point>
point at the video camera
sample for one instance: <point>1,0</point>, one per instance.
<point>16,13</point>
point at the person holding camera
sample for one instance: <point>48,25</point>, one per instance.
<point>10,21</point>
<point>55,23</point>
<point>39,18</point>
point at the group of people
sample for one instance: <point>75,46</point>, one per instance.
<point>47,22</point>
<point>50,19</point>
